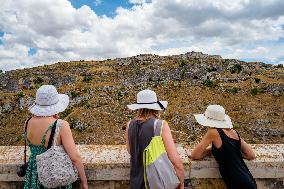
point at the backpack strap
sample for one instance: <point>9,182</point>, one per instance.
<point>158,127</point>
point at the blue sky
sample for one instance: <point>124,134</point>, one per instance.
<point>102,7</point>
<point>66,30</point>
<point>1,35</point>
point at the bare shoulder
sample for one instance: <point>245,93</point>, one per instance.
<point>212,131</point>
<point>65,125</point>
<point>165,125</point>
<point>165,122</point>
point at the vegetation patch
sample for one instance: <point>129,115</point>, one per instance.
<point>257,80</point>
<point>237,68</point>
<point>209,83</point>
<point>255,91</point>
<point>212,69</point>
<point>20,95</point>
<point>183,63</point>
<point>233,90</point>
<point>279,66</point>
<point>74,94</point>
<point>87,78</point>
<point>65,113</point>
<point>38,80</point>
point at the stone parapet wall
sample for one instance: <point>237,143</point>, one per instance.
<point>107,167</point>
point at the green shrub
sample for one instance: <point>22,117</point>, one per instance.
<point>237,126</point>
<point>182,73</point>
<point>255,91</point>
<point>257,80</point>
<point>119,95</point>
<point>38,80</point>
<point>72,123</point>
<point>279,66</point>
<point>237,68</point>
<point>65,113</point>
<point>233,90</point>
<point>88,106</point>
<point>20,94</point>
<point>74,94</point>
<point>209,83</point>
<point>87,78</point>
<point>182,63</point>
<point>212,69</point>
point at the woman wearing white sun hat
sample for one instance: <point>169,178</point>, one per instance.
<point>227,148</point>
<point>45,111</point>
<point>140,132</point>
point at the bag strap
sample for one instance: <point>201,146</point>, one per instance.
<point>158,127</point>
<point>57,131</point>
<point>51,135</point>
<point>25,150</point>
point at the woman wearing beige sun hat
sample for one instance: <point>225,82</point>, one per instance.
<point>47,105</point>
<point>227,148</point>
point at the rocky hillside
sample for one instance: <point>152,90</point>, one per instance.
<point>252,94</point>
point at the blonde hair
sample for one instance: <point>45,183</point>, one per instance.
<point>148,113</point>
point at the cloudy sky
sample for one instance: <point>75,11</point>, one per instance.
<point>37,32</point>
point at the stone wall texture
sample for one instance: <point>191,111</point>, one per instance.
<point>107,167</point>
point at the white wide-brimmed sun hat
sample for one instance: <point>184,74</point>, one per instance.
<point>214,116</point>
<point>148,99</point>
<point>48,102</point>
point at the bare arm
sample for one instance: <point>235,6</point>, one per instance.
<point>126,138</point>
<point>70,148</point>
<point>172,152</point>
<point>201,150</point>
<point>247,150</point>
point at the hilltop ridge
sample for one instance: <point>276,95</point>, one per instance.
<point>252,94</point>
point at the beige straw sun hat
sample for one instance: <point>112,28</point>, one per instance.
<point>214,116</point>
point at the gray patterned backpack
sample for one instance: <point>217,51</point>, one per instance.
<point>54,167</point>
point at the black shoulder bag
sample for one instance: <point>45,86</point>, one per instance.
<point>21,172</point>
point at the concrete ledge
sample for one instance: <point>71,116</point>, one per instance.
<point>269,163</point>
<point>111,164</point>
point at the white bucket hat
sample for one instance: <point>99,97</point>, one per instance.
<point>148,99</point>
<point>48,102</point>
<point>214,117</point>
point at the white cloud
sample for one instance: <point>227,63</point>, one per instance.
<point>236,29</point>
<point>97,2</point>
<point>139,1</point>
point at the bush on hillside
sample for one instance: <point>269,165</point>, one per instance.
<point>87,78</point>
<point>209,83</point>
<point>257,80</point>
<point>74,94</point>
<point>38,80</point>
<point>182,63</point>
<point>255,91</point>
<point>20,94</point>
<point>237,68</point>
<point>233,90</point>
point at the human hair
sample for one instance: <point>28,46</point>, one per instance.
<point>148,113</point>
